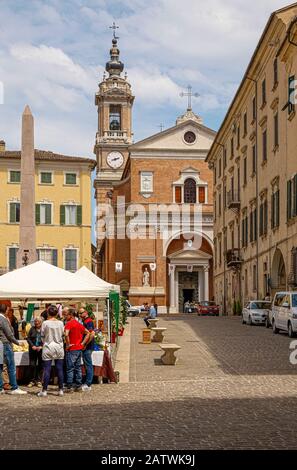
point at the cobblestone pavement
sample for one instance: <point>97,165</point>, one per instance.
<point>233,387</point>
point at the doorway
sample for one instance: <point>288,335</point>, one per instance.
<point>188,295</point>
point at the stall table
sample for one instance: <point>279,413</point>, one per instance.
<point>101,362</point>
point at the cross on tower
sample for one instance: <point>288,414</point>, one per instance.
<point>189,94</point>
<point>114,27</point>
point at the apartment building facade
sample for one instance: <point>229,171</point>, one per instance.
<point>254,160</point>
<point>63,191</point>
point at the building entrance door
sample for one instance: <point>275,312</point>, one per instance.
<point>188,288</point>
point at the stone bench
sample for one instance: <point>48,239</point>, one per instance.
<point>158,337</point>
<point>168,358</point>
<point>153,322</point>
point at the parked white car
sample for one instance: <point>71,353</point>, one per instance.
<point>284,313</point>
<point>132,310</point>
<point>255,312</point>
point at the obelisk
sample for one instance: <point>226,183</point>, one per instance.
<point>27,253</point>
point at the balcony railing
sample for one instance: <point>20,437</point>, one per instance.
<point>114,136</point>
<point>233,257</point>
<point>233,200</point>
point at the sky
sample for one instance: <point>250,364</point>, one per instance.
<point>53,53</point>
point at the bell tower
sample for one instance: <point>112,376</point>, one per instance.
<point>114,101</point>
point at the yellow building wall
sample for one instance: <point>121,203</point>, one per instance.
<point>53,236</point>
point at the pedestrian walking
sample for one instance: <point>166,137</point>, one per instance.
<point>77,336</point>
<point>52,335</point>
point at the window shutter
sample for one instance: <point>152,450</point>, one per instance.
<point>265,216</point>
<point>295,195</point>
<point>272,211</point>
<point>291,93</point>
<point>55,257</point>
<point>79,215</point>
<point>12,259</point>
<point>37,214</point>
<point>251,227</point>
<point>261,221</point>
<point>277,208</point>
<point>289,199</point>
<point>178,195</point>
<point>48,214</point>
<point>243,232</point>
<point>255,224</point>
<point>202,195</point>
<point>62,215</point>
<point>12,215</point>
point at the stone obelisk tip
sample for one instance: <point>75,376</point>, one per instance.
<point>27,110</point>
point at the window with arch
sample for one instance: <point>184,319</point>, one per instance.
<point>190,191</point>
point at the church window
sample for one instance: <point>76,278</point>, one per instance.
<point>190,137</point>
<point>190,193</point>
<point>114,117</point>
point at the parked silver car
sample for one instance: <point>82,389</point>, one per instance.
<point>255,312</point>
<point>284,313</point>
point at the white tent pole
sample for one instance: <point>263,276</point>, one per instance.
<point>97,313</point>
<point>108,326</point>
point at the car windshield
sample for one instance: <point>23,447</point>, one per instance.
<point>260,305</point>
<point>207,304</point>
<point>294,300</point>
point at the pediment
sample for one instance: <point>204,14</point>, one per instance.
<point>190,254</point>
<point>173,138</point>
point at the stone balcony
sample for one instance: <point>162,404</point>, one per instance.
<point>233,200</point>
<point>233,258</point>
<point>113,137</point>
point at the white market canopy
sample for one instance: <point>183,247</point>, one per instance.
<point>41,280</point>
<point>87,275</point>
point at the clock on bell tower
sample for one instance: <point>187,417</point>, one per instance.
<point>114,101</point>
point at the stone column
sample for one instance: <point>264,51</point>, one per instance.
<point>206,283</point>
<point>173,307</point>
<point>200,284</point>
<point>27,237</point>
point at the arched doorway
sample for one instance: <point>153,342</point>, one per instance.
<point>190,272</point>
<point>278,272</point>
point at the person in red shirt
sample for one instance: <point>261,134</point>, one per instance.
<point>77,336</point>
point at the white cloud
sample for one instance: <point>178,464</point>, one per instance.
<point>53,53</point>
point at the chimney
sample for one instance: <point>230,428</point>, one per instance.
<point>2,146</point>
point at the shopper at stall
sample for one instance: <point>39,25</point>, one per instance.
<point>7,338</point>
<point>52,335</point>
<point>14,322</point>
<point>87,353</point>
<point>35,353</point>
<point>77,336</point>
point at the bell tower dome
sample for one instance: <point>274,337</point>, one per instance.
<point>114,101</point>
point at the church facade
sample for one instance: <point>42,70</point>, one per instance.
<point>154,202</point>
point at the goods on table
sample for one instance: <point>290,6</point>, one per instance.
<point>23,347</point>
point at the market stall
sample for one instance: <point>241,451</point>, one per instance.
<point>41,281</point>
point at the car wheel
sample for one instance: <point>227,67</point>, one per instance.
<point>249,322</point>
<point>267,324</point>
<point>290,331</point>
<point>243,321</point>
<point>274,328</point>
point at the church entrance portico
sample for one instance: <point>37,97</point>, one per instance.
<point>189,278</point>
